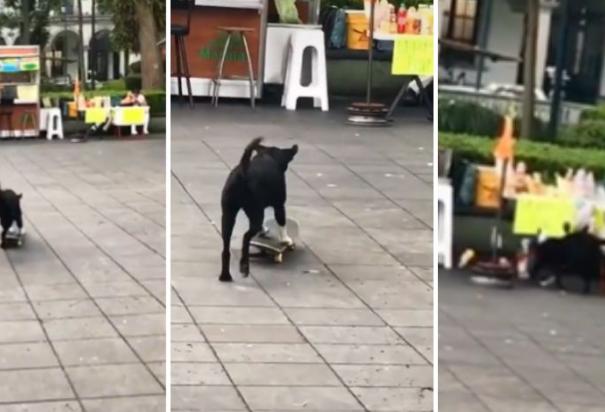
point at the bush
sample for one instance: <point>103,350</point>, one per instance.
<point>538,156</point>
<point>464,117</point>
<point>588,133</point>
<point>467,117</point>
<point>595,113</point>
<point>117,84</point>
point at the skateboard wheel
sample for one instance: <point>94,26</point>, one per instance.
<point>278,258</point>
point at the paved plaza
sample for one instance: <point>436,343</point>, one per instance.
<point>345,323</point>
<point>82,303</point>
<point>521,350</point>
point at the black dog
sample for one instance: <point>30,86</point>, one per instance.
<point>256,183</point>
<point>577,253</point>
<point>10,212</point>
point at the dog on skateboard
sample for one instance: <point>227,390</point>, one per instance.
<point>10,213</point>
<point>256,183</point>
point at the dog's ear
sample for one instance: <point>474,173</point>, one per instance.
<point>292,152</point>
<point>20,196</point>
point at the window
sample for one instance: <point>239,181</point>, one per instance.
<point>460,20</point>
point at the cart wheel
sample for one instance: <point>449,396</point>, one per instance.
<point>279,258</point>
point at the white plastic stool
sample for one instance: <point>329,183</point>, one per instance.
<point>318,87</point>
<point>445,222</point>
<point>54,123</point>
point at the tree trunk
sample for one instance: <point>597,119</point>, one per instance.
<point>529,64</point>
<point>152,73</point>
<point>24,36</point>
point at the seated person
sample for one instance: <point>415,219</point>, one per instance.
<point>132,98</point>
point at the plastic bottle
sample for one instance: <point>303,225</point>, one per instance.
<point>401,16</point>
<point>392,20</point>
<point>410,20</point>
<point>423,19</point>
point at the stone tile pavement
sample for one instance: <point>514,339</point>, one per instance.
<point>82,303</point>
<point>345,323</point>
<point>525,349</point>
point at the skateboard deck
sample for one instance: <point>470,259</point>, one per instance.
<point>14,237</point>
<point>267,243</point>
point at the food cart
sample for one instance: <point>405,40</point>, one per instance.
<point>19,91</point>
<point>205,42</point>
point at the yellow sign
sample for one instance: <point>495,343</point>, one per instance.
<point>133,115</point>
<point>413,54</point>
<point>599,219</point>
<point>547,215</point>
<point>28,93</point>
<point>95,115</point>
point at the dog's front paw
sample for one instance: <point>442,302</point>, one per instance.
<point>225,277</point>
<point>244,268</point>
<point>287,241</point>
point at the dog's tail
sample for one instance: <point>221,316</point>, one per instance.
<point>252,146</point>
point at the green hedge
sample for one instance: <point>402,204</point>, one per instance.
<point>587,133</point>
<point>538,156</point>
<point>462,117</point>
<point>155,98</point>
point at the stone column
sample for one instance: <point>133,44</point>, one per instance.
<point>544,20</point>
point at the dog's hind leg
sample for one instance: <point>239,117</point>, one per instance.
<point>228,222</point>
<point>256,217</point>
<point>3,238</point>
<point>280,217</point>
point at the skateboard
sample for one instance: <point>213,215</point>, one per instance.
<point>15,237</point>
<point>267,242</point>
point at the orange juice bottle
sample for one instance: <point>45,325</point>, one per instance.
<point>410,20</point>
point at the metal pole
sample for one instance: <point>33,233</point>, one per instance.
<point>485,25</point>
<point>93,61</point>
<point>370,54</point>
<point>529,72</point>
<point>81,73</point>
<point>555,108</point>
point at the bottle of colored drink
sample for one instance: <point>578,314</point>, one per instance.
<point>401,15</point>
<point>392,20</point>
<point>410,20</point>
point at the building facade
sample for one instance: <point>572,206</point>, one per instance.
<point>504,20</point>
<point>62,49</point>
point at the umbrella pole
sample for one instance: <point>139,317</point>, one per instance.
<point>367,113</point>
<point>369,80</point>
<point>499,213</point>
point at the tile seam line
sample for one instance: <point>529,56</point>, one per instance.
<point>45,332</point>
<point>126,205</point>
<point>105,316</point>
<point>291,323</point>
<point>368,306</point>
<point>557,356</point>
<point>89,239</point>
<point>346,166</point>
<point>506,365</point>
<point>420,278</point>
<point>239,394</point>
